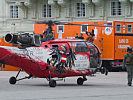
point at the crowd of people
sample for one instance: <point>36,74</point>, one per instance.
<point>90,36</point>
<point>48,35</point>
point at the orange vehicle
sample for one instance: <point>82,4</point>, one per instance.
<point>112,40</point>
<point>4,67</point>
<point>45,57</point>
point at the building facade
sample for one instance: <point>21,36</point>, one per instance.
<point>19,15</point>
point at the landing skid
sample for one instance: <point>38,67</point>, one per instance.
<point>13,79</point>
<point>52,82</point>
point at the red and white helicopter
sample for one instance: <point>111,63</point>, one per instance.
<point>58,58</point>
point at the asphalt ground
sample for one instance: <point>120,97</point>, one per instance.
<point>99,87</point>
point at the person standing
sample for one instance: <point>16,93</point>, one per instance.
<point>2,67</point>
<point>76,37</point>
<point>80,36</point>
<point>90,35</point>
<point>48,34</point>
<point>128,64</point>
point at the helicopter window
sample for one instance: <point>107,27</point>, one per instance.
<point>78,47</point>
<point>89,44</point>
<point>46,11</point>
<point>92,49</point>
<point>61,46</point>
<point>94,55</point>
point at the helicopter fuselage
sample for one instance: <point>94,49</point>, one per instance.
<point>63,61</point>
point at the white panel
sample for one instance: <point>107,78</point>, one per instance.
<point>28,3</point>
<point>91,10</point>
<point>86,1</point>
<point>18,3</point>
<point>128,10</point>
<point>57,10</point>
<point>62,2</point>
<point>96,2</point>
<point>101,11</point>
<point>131,1</point>
<point>51,2</point>
<point>123,0</point>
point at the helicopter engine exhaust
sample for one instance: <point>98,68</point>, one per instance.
<point>24,39</point>
<point>9,38</point>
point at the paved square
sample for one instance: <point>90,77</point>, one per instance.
<point>111,87</point>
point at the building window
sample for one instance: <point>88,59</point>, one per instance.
<point>116,8</point>
<point>129,28</point>
<point>80,10</point>
<point>46,11</point>
<point>13,11</point>
<point>83,28</point>
<point>60,28</point>
<point>118,28</point>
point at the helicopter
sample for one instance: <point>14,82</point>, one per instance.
<point>51,58</point>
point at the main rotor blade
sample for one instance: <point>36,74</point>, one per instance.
<point>94,25</point>
<point>41,22</point>
<point>50,22</point>
<point>47,22</point>
<point>108,26</point>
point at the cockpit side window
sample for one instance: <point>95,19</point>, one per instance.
<point>94,55</point>
<point>78,46</point>
<point>61,46</point>
<point>92,49</point>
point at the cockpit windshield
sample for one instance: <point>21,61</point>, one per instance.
<point>78,46</point>
<point>95,55</point>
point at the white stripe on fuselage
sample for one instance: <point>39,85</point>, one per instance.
<point>40,54</point>
<point>36,53</point>
<point>63,58</point>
